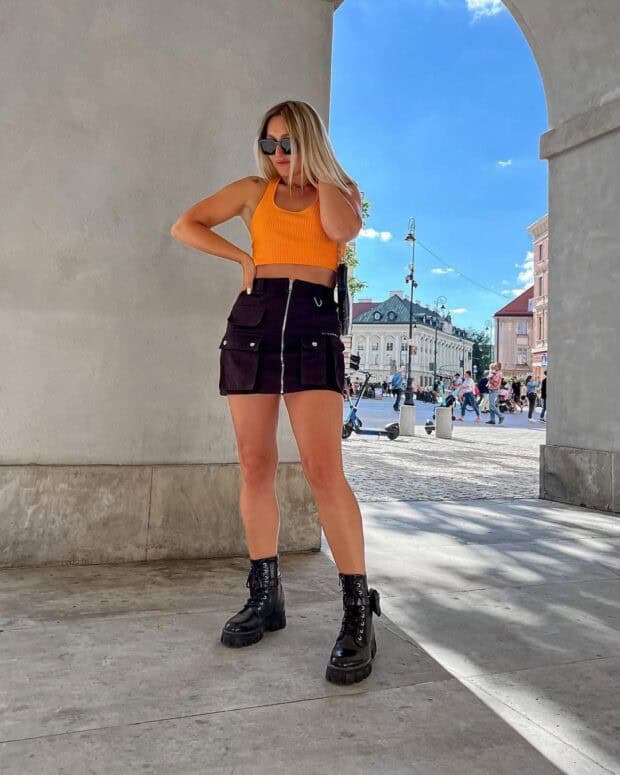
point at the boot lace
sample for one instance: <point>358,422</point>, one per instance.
<point>355,613</point>
<point>259,589</point>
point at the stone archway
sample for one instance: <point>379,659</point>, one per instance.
<point>574,43</point>
<point>114,444</point>
<point>575,46</point>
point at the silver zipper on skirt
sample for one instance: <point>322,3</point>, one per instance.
<point>288,298</point>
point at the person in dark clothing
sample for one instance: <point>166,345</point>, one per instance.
<point>530,386</point>
<point>516,393</point>
<point>543,397</point>
<point>483,387</point>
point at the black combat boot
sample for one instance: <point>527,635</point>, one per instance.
<point>264,609</point>
<point>355,648</point>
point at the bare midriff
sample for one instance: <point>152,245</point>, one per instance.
<point>313,274</point>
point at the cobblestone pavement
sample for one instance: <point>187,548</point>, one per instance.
<point>478,462</point>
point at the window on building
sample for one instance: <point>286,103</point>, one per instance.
<point>540,285</point>
<point>403,345</point>
<point>540,327</point>
<point>375,346</point>
<point>522,328</point>
<point>521,356</point>
<point>540,251</point>
<point>390,346</point>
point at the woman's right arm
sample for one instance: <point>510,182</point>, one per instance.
<point>195,226</point>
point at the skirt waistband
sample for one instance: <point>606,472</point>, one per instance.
<point>280,285</point>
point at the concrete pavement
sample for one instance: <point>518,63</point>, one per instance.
<point>498,653</point>
<point>479,461</point>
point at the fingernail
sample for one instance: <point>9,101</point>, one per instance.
<point>248,290</point>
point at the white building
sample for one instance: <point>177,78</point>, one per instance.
<point>380,335</point>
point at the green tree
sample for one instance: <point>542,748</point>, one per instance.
<point>481,355</point>
<point>351,259</point>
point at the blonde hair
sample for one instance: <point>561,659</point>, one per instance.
<point>309,138</point>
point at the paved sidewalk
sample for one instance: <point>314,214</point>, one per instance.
<point>478,462</point>
<point>498,654</point>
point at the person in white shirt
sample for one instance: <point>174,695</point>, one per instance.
<point>466,394</point>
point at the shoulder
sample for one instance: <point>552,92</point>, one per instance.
<point>255,183</point>
<point>254,187</point>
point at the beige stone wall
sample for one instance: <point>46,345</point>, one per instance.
<point>116,117</point>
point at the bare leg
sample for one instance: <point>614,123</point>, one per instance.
<point>255,420</point>
<point>316,420</point>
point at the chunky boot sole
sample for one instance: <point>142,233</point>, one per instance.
<point>351,675</point>
<point>240,639</point>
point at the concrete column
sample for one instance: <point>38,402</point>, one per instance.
<point>407,420</point>
<point>576,46</point>
<point>115,443</point>
<point>443,422</point>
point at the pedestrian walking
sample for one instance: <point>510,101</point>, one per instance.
<point>531,386</point>
<point>543,398</point>
<point>466,394</point>
<point>283,338</point>
<point>495,383</point>
<point>516,393</point>
<point>483,387</point>
<point>396,386</point>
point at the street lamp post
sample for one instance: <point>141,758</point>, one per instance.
<point>410,279</point>
<point>487,329</point>
<point>439,300</point>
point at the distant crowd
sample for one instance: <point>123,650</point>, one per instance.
<point>493,394</point>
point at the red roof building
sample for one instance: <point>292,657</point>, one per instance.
<point>513,335</point>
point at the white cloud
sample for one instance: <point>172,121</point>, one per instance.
<point>439,270</point>
<point>384,236</point>
<point>506,163</point>
<point>459,310</point>
<point>526,275</point>
<point>480,8</point>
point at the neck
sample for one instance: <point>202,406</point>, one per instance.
<point>294,184</point>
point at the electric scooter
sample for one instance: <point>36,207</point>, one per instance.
<point>353,423</point>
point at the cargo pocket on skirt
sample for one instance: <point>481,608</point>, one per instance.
<point>239,355</point>
<point>336,345</point>
<point>313,360</point>
<point>247,313</point>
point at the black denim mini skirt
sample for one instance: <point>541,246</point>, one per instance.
<point>283,337</point>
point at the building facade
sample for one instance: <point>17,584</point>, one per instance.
<point>513,335</point>
<point>380,336</point>
<point>540,245</point>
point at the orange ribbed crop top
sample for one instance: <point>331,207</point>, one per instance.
<point>282,236</point>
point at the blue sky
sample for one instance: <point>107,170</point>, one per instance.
<point>437,110</point>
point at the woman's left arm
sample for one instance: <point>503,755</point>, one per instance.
<point>341,215</point>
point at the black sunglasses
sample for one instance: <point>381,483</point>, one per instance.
<point>268,145</point>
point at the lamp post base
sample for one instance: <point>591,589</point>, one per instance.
<point>408,393</point>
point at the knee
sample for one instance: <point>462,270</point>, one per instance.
<point>322,473</point>
<point>258,468</point>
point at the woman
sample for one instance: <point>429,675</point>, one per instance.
<point>530,390</point>
<point>466,394</point>
<point>283,339</point>
<point>496,378</point>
